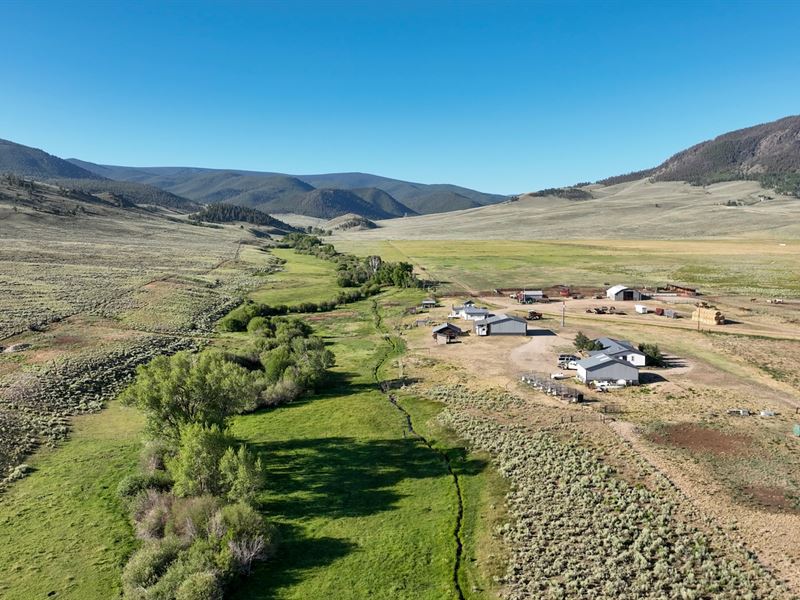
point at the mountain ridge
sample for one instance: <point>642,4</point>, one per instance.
<point>416,198</point>
<point>767,152</point>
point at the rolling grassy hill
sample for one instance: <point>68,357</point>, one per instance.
<point>36,164</point>
<point>633,210</point>
<point>129,192</point>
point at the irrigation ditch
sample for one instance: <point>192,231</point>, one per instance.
<point>393,348</point>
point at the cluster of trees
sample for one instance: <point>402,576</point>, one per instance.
<point>584,343</point>
<point>193,503</point>
<point>568,193</point>
<point>783,183</point>
<point>293,360</point>
<point>238,319</point>
<point>653,354</point>
<point>230,213</point>
<point>354,271</point>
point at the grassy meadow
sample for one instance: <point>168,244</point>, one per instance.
<point>715,266</point>
<point>303,279</point>
<point>63,531</point>
<point>365,508</point>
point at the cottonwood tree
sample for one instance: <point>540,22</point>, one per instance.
<point>203,388</point>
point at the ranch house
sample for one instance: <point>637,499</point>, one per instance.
<point>621,349</point>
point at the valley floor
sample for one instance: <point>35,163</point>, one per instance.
<point>366,506</point>
<point>369,507</point>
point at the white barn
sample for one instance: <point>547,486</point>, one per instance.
<point>621,293</point>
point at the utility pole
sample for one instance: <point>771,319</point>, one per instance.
<point>563,312</point>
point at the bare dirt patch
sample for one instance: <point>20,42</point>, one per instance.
<point>697,438</point>
<point>772,498</point>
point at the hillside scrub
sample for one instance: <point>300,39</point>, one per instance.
<point>582,531</point>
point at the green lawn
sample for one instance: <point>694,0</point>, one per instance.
<point>63,533</point>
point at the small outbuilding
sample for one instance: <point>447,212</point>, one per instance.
<point>530,296</point>
<point>601,367</point>
<point>469,313</point>
<point>429,303</point>
<point>621,293</point>
<point>446,333</point>
<point>501,325</point>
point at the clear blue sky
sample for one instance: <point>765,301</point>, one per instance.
<point>500,96</point>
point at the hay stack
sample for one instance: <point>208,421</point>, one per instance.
<point>708,315</point>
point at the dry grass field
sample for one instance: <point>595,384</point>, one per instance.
<point>635,210</point>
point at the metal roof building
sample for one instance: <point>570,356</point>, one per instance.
<point>623,293</point>
<point>602,367</point>
<point>501,325</point>
<point>621,349</point>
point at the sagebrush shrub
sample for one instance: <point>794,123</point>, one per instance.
<point>205,585</point>
<point>147,565</point>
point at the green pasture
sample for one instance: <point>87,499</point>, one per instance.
<point>303,279</point>
<point>719,266</point>
<point>63,533</point>
<point>366,509</point>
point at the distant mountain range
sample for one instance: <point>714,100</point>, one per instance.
<point>187,189</point>
<point>371,196</point>
<point>769,153</point>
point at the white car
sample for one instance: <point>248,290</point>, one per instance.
<point>558,376</point>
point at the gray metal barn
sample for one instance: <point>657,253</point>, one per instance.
<point>501,325</point>
<point>601,367</point>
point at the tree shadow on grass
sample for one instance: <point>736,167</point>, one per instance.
<point>296,555</point>
<point>336,477</point>
<point>342,477</point>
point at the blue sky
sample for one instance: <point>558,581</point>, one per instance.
<point>502,96</point>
